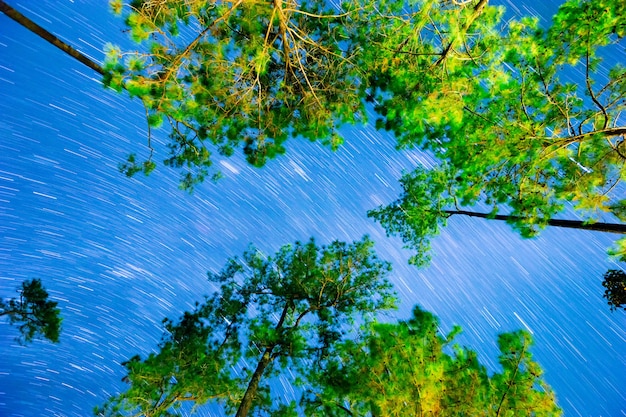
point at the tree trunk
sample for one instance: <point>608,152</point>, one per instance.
<point>44,34</point>
<point>253,385</point>
<point>571,224</point>
<point>266,359</point>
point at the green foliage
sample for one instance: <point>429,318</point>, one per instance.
<point>619,209</point>
<point>277,313</point>
<point>247,76</point>
<point>618,250</point>
<point>239,75</point>
<point>131,166</point>
<point>33,313</point>
<point>518,390</point>
<point>513,135</point>
<point>288,314</point>
<point>418,213</point>
<point>409,369</point>
<point>615,292</point>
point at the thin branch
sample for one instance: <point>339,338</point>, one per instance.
<point>609,132</point>
<point>588,84</point>
<point>548,94</point>
<point>319,16</point>
<point>521,356</point>
<point>193,43</point>
<point>611,83</point>
<point>478,9</point>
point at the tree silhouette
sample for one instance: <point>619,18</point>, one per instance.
<point>615,284</point>
<point>33,313</point>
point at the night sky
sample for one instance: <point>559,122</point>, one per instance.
<point>121,254</point>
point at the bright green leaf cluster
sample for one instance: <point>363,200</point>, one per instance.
<point>239,75</point>
<point>513,135</point>
<point>409,369</point>
<point>419,212</point>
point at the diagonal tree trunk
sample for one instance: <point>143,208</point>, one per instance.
<point>570,224</point>
<point>266,359</point>
<point>253,385</point>
<point>54,40</point>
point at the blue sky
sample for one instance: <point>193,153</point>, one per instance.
<point>120,254</point>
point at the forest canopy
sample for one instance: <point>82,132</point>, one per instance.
<point>531,124</point>
<point>308,315</point>
<point>532,127</point>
